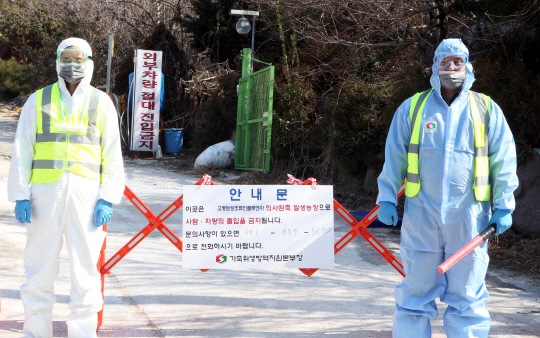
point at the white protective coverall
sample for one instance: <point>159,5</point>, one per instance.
<point>64,207</point>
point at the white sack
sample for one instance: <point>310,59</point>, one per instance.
<point>220,155</point>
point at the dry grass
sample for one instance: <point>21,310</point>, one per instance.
<point>185,160</point>
<point>514,252</point>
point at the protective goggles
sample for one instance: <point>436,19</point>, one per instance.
<point>456,64</point>
<point>71,56</point>
<point>458,61</point>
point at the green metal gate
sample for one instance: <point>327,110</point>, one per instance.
<point>254,117</point>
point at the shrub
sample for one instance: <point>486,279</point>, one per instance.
<point>214,120</point>
<point>515,90</point>
<point>298,138</point>
<point>360,128</point>
<point>362,114</point>
<point>15,79</point>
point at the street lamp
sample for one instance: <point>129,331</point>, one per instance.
<point>243,27</point>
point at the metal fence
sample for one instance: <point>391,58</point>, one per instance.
<point>254,117</point>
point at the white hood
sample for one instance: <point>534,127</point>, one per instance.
<point>446,48</point>
<point>84,46</point>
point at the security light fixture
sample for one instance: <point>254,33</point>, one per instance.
<point>243,26</point>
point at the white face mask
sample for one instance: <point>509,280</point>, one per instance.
<point>451,79</point>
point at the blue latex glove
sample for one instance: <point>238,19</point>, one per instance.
<point>503,219</point>
<point>102,212</point>
<point>23,211</point>
<point>387,213</point>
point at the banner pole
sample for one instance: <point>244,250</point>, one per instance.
<point>109,64</point>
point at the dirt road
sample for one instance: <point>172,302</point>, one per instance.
<point>148,294</point>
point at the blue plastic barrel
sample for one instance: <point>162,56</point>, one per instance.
<point>174,140</point>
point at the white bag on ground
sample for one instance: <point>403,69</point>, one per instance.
<point>220,155</point>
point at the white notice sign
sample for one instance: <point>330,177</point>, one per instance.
<point>258,226</point>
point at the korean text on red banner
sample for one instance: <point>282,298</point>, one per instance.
<point>146,100</point>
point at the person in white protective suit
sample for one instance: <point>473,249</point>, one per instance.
<point>455,149</point>
<point>66,171</point>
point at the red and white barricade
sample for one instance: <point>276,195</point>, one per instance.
<point>358,228</point>
<point>157,222</point>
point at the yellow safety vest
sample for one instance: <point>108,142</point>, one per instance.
<point>480,110</point>
<point>57,151</point>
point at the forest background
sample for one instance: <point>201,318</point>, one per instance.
<point>342,68</point>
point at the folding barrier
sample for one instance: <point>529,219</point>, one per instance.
<point>358,228</point>
<point>101,261</point>
<point>156,222</point>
